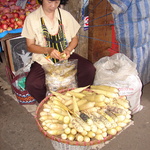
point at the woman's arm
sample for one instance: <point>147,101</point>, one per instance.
<point>32,47</point>
<point>71,46</point>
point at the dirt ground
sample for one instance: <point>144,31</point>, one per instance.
<point>19,131</point>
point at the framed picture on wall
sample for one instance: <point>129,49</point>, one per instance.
<point>18,54</point>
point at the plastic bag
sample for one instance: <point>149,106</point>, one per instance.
<point>120,72</point>
<point>61,75</point>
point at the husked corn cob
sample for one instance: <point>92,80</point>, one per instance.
<point>127,120</point>
<point>43,118</point>
<point>65,126</point>
<point>118,128</point>
<point>105,88</point>
<point>95,120</point>
<point>66,120</point>
<point>83,124</point>
<point>75,94</point>
<point>122,124</point>
<point>87,93</point>
<point>64,136</point>
<point>45,128</point>
<point>55,132</point>
<point>86,118</point>
<point>99,137</point>
<point>103,119</point>
<point>80,89</point>
<point>57,116</point>
<point>113,116</point>
<point>99,131</point>
<point>112,131</point>
<point>47,106</point>
<point>95,98</point>
<point>106,93</point>
<point>91,134</point>
<point>50,121</point>
<point>61,96</point>
<point>86,106</point>
<point>67,130</point>
<point>75,106</point>
<point>59,111</point>
<point>109,118</point>
<point>55,126</point>
<point>43,113</point>
<point>104,134</point>
<point>123,103</point>
<point>68,102</point>
<point>94,128</point>
<point>84,133</point>
<point>73,131</point>
<point>79,137</point>
<point>59,104</point>
<point>100,104</point>
<point>71,137</point>
<point>121,118</point>
<point>86,139</point>
<point>76,125</point>
<point>46,110</point>
<point>116,110</point>
<point>81,102</point>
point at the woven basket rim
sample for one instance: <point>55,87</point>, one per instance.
<point>59,139</point>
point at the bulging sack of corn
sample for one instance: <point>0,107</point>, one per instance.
<point>61,75</point>
<point>120,72</point>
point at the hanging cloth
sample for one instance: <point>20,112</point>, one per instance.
<point>132,24</point>
<point>57,41</point>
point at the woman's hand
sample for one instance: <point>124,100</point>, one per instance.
<point>65,54</point>
<point>54,53</point>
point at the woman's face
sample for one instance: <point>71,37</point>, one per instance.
<point>50,6</point>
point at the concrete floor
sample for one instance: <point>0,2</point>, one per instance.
<point>19,131</point>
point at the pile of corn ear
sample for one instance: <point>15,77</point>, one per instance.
<point>86,113</point>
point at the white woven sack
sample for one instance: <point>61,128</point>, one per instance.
<point>120,72</point>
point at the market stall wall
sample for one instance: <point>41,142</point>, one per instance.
<point>75,8</point>
<point>96,42</point>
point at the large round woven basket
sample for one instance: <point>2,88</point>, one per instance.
<point>58,138</point>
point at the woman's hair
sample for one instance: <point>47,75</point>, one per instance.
<point>63,2</point>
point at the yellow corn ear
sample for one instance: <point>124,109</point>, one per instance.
<point>61,105</point>
<point>55,126</point>
<point>123,103</point>
<point>77,125</point>
<point>95,98</point>
<point>61,96</point>
<point>60,111</point>
<point>112,131</point>
<point>77,95</point>
<point>100,104</point>
<point>57,116</point>
<point>91,134</point>
<point>86,106</point>
<point>106,93</point>
<point>71,137</point>
<point>79,137</point>
<point>105,88</point>
<point>81,102</point>
<point>86,139</point>
<point>64,136</point>
<point>80,89</point>
<point>55,132</point>
<point>75,106</point>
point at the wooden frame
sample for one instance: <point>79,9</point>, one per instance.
<point>18,54</point>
